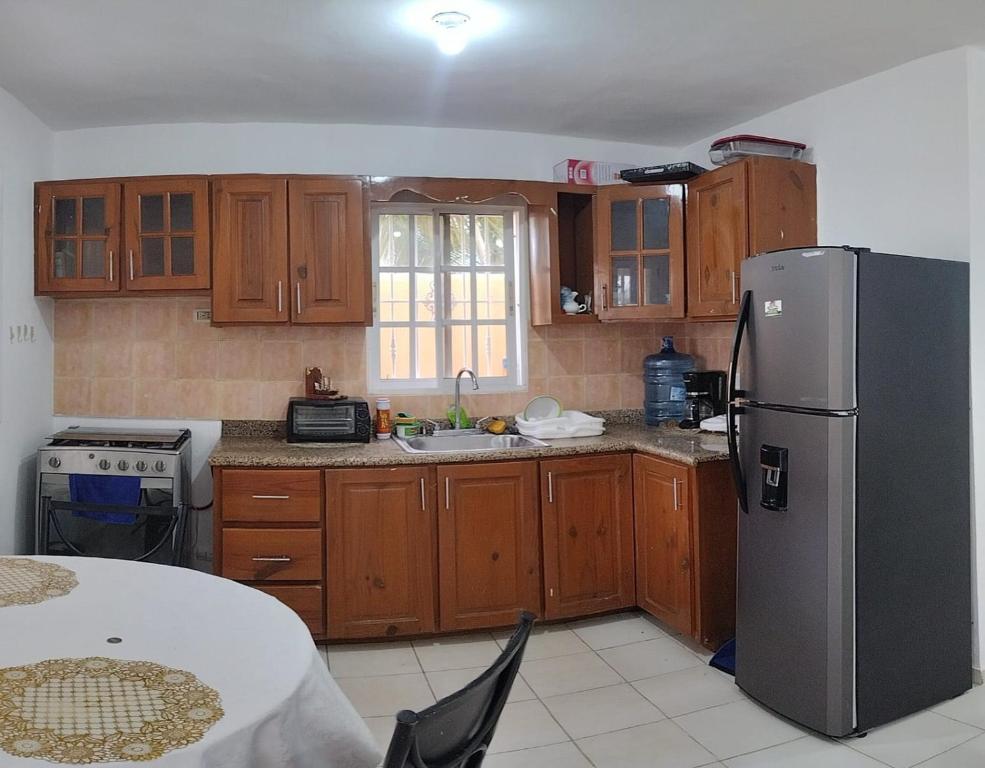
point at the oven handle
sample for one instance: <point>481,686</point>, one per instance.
<point>177,515</point>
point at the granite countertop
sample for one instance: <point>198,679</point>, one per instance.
<point>687,447</point>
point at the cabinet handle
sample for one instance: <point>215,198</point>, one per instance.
<point>605,296</point>
<point>299,296</point>
<point>263,496</point>
<point>131,265</point>
<point>274,559</point>
<point>111,266</point>
<point>676,499</point>
<point>447,493</point>
<point>424,507</point>
<point>734,285</point>
<point>280,296</point>
<point>550,487</point>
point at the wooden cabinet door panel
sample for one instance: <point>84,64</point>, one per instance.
<point>249,260</point>
<point>639,254</point>
<point>782,204</point>
<point>271,495</point>
<point>77,238</point>
<point>329,266</point>
<point>166,234</point>
<point>488,544</point>
<point>272,554</point>
<point>306,600</point>
<point>663,541</point>
<point>587,516</point>
<point>717,240</point>
<point>381,566</point>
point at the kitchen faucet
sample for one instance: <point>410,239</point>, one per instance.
<point>458,394</point>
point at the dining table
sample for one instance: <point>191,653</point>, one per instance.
<point>115,662</point>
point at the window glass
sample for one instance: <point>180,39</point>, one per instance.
<point>445,297</point>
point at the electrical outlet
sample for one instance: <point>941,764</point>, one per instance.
<point>203,315</point>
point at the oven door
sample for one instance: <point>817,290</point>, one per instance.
<point>70,523</point>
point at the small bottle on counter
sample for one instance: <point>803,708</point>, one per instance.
<point>383,421</point>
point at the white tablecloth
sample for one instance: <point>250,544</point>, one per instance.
<point>282,708</point>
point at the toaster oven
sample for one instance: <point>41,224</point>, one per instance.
<point>328,421</point>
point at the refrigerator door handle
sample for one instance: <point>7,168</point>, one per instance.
<point>733,407</point>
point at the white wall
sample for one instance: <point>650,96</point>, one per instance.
<point>377,150</point>
<point>976,211</point>
<point>25,368</point>
<point>901,168</point>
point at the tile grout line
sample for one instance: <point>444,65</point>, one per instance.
<point>949,749</point>
<point>426,678</point>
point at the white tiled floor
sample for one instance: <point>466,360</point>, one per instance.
<point>625,692</point>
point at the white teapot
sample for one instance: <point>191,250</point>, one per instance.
<point>572,307</point>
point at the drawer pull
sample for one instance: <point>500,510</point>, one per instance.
<point>274,559</point>
<point>262,496</point>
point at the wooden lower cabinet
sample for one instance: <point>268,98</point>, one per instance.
<point>685,546</point>
<point>306,600</point>
<point>415,550</point>
<point>587,520</point>
<point>488,544</point>
<point>268,534</point>
<point>663,541</point>
<point>381,560</point>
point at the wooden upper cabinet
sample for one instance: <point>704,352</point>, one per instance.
<point>562,253</point>
<point>664,585</point>
<point>488,544</point>
<point>381,528</point>
<point>166,234</point>
<point>329,267</point>
<point>717,240</point>
<point>77,239</point>
<point>587,515</point>
<point>250,280</point>
<point>734,212</point>
<point>639,256</point>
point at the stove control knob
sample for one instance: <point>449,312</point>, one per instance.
<point>122,466</point>
<point>160,466</point>
<point>54,462</point>
<point>140,466</point>
<point>104,464</point>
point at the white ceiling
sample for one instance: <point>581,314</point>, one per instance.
<point>650,71</point>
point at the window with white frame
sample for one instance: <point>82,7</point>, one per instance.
<point>446,296</point>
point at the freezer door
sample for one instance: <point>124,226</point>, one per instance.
<point>795,601</point>
<point>801,334</point>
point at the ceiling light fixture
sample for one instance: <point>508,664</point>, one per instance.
<point>451,35</point>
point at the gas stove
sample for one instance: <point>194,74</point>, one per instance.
<point>159,459</point>
<point>159,440</point>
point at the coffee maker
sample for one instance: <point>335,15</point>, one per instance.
<point>704,397</point>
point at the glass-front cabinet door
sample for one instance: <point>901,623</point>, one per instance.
<point>78,237</point>
<point>166,234</point>
<point>639,272</point>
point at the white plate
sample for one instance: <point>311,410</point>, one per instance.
<point>542,407</point>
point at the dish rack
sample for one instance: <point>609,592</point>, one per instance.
<point>568,424</point>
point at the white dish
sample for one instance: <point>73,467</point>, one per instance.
<point>542,407</point>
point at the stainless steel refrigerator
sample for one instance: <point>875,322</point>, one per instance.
<point>849,439</point>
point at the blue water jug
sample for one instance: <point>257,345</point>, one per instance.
<point>663,379</point>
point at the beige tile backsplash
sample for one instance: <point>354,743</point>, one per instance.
<point>148,358</point>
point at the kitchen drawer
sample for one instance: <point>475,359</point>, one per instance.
<point>270,554</point>
<point>271,496</point>
<point>306,601</point>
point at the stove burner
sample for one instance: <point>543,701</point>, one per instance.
<point>162,440</point>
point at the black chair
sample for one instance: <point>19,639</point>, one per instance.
<point>456,731</point>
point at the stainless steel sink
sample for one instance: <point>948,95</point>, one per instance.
<point>466,441</point>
